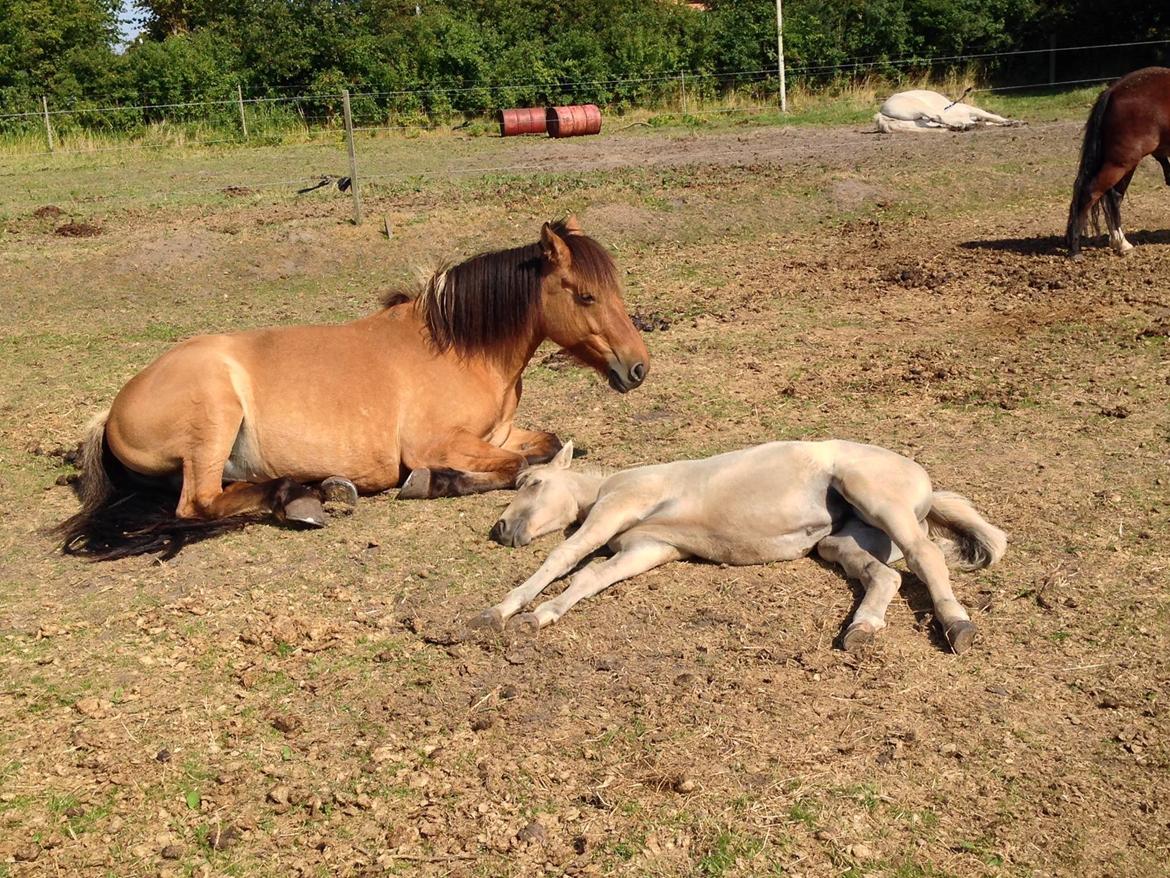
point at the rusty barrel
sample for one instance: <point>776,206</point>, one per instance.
<point>523,120</point>
<point>574,120</point>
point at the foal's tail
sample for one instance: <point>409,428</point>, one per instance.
<point>119,518</point>
<point>1092,157</point>
<point>968,541</point>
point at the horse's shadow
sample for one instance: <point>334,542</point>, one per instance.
<point>913,591</point>
<point>1054,245</point>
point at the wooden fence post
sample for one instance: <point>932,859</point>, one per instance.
<point>243,118</point>
<point>48,126</point>
<point>353,178</point>
<point>682,87</point>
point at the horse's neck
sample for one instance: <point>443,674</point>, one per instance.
<point>586,485</point>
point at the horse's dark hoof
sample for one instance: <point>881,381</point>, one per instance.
<point>960,635</point>
<point>305,511</point>
<point>417,485</point>
<point>1077,257</point>
<point>857,637</point>
<point>341,491</point>
<point>490,619</point>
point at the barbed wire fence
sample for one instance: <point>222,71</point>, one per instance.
<point>267,117</point>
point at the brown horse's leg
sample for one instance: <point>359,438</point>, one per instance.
<point>464,465</point>
<point>1112,204</point>
<point>1108,177</point>
<point>1164,161</point>
<point>535,446</point>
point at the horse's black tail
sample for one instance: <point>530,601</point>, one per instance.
<point>119,518</point>
<point>1092,157</point>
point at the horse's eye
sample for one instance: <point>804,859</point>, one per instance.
<point>585,298</point>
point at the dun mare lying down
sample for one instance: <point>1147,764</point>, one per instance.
<point>858,506</point>
<point>1129,121</point>
<point>428,385</point>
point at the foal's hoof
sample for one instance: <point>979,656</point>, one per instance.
<point>417,485</point>
<point>857,637</point>
<point>341,491</point>
<point>490,619</point>
<point>525,624</point>
<point>960,635</point>
<point>306,511</point>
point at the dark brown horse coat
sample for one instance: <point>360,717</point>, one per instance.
<point>1129,121</point>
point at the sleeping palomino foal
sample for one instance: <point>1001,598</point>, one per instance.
<point>921,110</point>
<point>236,424</point>
<point>858,506</point>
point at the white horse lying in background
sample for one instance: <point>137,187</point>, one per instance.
<point>859,506</point>
<point>921,110</point>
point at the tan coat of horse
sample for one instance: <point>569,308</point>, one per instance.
<point>858,506</point>
<point>428,386</point>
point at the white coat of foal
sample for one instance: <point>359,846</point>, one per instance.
<point>921,110</point>
<point>858,506</point>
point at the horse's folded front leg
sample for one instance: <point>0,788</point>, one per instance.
<point>462,464</point>
<point>535,445</point>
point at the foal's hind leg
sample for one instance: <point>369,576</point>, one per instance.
<point>879,507</point>
<point>864,552</point>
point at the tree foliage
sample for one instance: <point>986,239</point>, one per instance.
<point>478,55</point>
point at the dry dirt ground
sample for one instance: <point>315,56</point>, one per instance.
<point>277,703</point>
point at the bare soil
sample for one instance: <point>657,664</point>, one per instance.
<point>287,703</point>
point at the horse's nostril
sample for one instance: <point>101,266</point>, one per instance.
<point>638,372</point>
<point>499,531</point>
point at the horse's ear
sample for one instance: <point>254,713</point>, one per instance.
<point>564,457</point>
<point>572,227</point>
<point>556,251</point>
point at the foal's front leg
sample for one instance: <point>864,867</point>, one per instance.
<point>638,556</point>
<point>611,515</point>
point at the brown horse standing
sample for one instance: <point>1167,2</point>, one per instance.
<point>428,386</point>
<point>1129,121</point>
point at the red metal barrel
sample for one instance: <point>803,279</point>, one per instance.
<point>526,120</point>
<point>573,121</point>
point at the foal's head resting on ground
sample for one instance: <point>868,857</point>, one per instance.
<point>549,498</point>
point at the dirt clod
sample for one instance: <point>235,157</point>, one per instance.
<point>533,832</point>
<point>220,837</point>
<point>287,723</point>
<point>172,852</point>
<point>482,722</point>
<point>163,755</point>
<point>49,211</point>
<point>78,230</point>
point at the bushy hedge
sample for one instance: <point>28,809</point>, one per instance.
<point>474,56</point>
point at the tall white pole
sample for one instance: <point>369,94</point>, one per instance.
<point>780,55</point>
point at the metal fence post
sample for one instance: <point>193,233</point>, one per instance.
<point>1052,59</point>
<point>353,178</point>
<point>243,118</point>
<point>682,90</point>
<point>48,126</point>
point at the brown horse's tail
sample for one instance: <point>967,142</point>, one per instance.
<point>120,517</point>
<point>1092,157</point>
<point>967,539</point>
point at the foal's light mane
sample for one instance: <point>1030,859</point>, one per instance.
<point>488,302</point>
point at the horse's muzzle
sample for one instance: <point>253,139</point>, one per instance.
<point>507,533</point>
<point>624,383</point>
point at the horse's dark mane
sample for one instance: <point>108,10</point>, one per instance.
<point>488,301</point>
